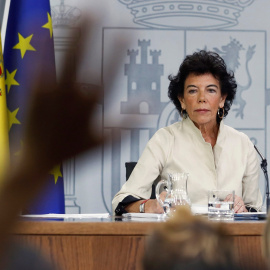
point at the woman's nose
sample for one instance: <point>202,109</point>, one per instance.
<point>201,97</point>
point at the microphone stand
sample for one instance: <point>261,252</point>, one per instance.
<point>264,168</point>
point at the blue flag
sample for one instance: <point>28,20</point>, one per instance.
<point>29,36</point>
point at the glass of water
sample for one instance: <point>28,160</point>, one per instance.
<point>221,204</point>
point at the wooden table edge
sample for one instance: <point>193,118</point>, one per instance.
<point>119,228</point>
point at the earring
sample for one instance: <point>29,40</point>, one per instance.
<point>219,114</point>
<point>183,113</point>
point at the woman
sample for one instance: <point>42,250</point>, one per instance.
<point>216,156</point>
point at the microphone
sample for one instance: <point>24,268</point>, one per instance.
<point>264,168</point>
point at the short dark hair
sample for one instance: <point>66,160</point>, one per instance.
<point>200,63</point>
<point>189,242</point>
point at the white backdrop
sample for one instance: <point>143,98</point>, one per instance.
<point>160,34</point>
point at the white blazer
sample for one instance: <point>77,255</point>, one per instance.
<point>232,164</point>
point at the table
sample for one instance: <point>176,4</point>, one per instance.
<point>110,244</point>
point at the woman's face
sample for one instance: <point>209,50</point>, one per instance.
<point>202,98</point>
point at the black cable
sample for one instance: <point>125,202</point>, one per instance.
<point>264,169</point>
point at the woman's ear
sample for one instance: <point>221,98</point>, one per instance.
<point>222,101</point>
<point>182,101</point>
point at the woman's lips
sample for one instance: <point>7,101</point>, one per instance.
<point>202,110</point>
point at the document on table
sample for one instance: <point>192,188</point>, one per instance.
<point>250,215</point>
<point>199,209</point>
<point>195,209</point>
<point>65,216</point>
<point>151,217</point>
<point>144,217</point>
<point>203,210</point>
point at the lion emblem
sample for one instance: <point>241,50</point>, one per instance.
<point>230,54</point>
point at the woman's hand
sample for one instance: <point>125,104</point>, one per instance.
<point>239,205</point>
<point>153,206</point>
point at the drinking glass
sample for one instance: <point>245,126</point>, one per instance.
<point>221,204</point>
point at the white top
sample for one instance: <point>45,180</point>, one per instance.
<point>231,165</point>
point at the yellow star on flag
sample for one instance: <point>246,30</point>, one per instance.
<point>12,118</point>
<point>10,79</point>
<point>24,44</point>
<point>56,172</point>
<point>48,25</point>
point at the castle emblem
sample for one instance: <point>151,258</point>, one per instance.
<point>143,82</point>
<point>181,14</point>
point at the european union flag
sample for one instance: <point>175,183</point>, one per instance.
<point>29,36</point>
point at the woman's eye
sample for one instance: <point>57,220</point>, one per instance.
<point>192,91</point>
<point>210,90</point>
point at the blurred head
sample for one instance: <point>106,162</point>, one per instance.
<point>188,242</point>
<point>198,64</point>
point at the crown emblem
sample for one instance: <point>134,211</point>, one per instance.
<point>64,15</point>
<point>181,14</point>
